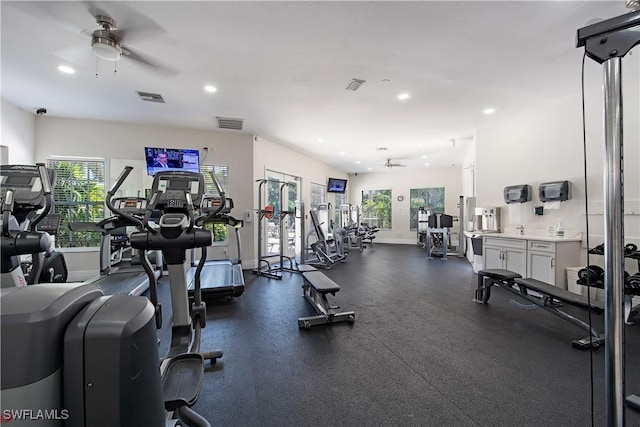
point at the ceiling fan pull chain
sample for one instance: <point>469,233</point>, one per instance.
<point>96,67</point>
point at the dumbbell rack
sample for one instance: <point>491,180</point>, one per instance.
<point>593,276</point>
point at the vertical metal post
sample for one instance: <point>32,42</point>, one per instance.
<point>614,242</point>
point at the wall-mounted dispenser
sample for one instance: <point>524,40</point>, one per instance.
<point>517,193</point>
<point>556,191</point>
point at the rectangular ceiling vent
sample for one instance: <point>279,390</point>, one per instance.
<point>229,123</point>
<point>354,84</point>
<point>151,97</point>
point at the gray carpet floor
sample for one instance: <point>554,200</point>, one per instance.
<point>420,353</point>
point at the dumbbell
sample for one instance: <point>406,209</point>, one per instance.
<point>590,275</point>
<point>632,284</point>
<point>630,249</point>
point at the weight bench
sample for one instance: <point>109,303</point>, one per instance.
<point>551,299</point>
<point>315,288</point>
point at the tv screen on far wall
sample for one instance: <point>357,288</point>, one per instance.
<point>168,159</point>
<point>336,185</point>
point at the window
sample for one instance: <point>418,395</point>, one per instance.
<point>340,199</point>
<point>222,173</point>
<point>376,208</point>
<point>79,197</point>
<point>318,195</point>
<point>432,198</point>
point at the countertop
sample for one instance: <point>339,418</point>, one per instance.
<point>538,237</point>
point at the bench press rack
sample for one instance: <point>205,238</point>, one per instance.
<point>315,288</point>
<point>551,300</point>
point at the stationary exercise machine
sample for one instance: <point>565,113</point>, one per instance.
<point>117,276</point>
<point>220,277</point>
<point>265,266</point>
<point>26,199</point>
<point>84,359</point>
<point>322,250</point>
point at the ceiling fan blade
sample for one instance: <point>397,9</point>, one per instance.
<point>54,13</point>
<point>132,26</point>
<point>150,64</point>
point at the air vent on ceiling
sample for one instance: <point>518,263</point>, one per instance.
<point>229,123</point>
<point>381,149</point>
<point>354,84</point>
<point>151,97</point>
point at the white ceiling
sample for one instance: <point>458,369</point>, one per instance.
<point>283,68</point>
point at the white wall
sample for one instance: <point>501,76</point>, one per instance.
<point>546,145</point>
<point>117,142</point>
<point>18,134</point>
<point>400,181</point>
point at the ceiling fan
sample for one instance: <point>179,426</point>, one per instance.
<point>106,44</point>
<point>108,40</point>
<point>390,164</point>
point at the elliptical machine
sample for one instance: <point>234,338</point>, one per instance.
<point>26,199</point>
<point>75,357</point>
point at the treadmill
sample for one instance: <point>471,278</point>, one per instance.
<point>125,277</point>
<point>220,277</point>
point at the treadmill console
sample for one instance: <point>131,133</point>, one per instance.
<point>24,180</point>
<point>174,186</point>
<point>212,203</point>
<point>131,205</point>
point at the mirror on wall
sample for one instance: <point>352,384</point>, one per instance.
<point>136,182</point>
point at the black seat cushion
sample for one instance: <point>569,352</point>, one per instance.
<point>499,274</point>
<point>320,282</point>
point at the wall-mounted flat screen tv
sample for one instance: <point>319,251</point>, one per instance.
<point>171,159</point>
<point>336,185</point>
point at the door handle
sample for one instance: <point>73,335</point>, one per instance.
<point>551,262</point>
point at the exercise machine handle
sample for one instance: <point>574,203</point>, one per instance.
<point>7,208</point>
<point>48,196</point>
<point>109,200</point>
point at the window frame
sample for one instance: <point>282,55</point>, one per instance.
<point>67,203</point>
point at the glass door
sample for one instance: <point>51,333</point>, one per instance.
<point>286,187</point>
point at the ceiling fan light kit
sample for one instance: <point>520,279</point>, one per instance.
<point>104,47</point>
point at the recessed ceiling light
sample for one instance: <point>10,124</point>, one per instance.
<point>342,153</point>
<point>489,111</point>
<point>358,162</point>
<point>65,69</point>
<point>426,164</point>
<point>403,96</point>
<point>320,140</point>
<point>210,88</point>
<point>424,156</point>
<point>368,169</point>
<point>385,81</point>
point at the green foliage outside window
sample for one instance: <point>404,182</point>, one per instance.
<point>79,196</point>
<point>376,208</point>
<point>431,198</point>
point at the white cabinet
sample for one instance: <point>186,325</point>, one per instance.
<point>544,260</point>
<point>504,253</point>
<point>548,261</point>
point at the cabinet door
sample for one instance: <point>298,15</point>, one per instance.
<point>515,260</point>
<point>492,257</point>
<point>542,266</point>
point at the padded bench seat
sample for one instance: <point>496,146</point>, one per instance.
<point>315,288</point>
<point>321,283</point>
<point>561,294</point>
<point>548,297</point>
